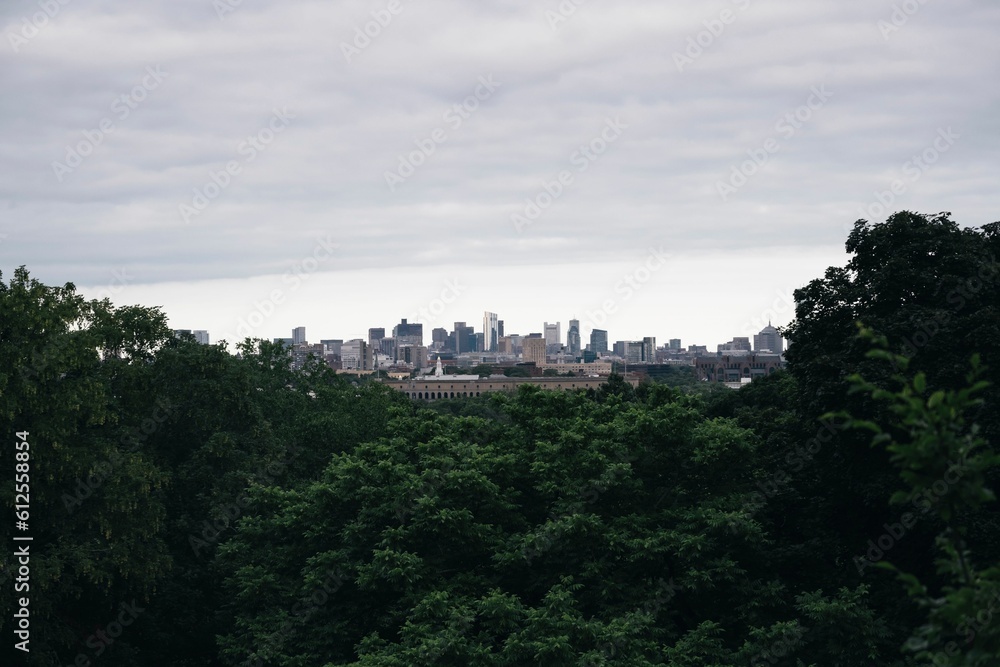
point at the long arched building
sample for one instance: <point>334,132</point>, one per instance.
<point>461,386</point>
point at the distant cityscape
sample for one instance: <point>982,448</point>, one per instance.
<point>403,353</point>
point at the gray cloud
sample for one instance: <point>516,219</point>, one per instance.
<point>325,172</point>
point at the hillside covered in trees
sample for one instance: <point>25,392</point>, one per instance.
<point>190,507</point>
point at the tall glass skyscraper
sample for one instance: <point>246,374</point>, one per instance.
<point>491,332</point>
<point>599,341</point>
<point>573,338</point>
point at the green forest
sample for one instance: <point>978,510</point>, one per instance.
<point>191,507</point>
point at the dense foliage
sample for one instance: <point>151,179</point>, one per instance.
<point>235,512</point>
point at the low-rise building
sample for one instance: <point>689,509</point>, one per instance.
<point>460,386</point>
<point>737,368</point>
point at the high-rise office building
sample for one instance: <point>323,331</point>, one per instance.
<point>737,344</point>
<point>415,355</point>
<point>302,351</point>
<point>408,334</point>
<point>491,331</point>
<point>500,333</point>
<point>375,335</point>
<point>630,350</point>
<point>553,336</point>
<point>573,338</point>
<point>332,345</point>
<point>768,339</point>
<point>552,333</point>
<point>200,335</point>
<point>649,349</point>
<point>356,355</point>
<point>675,344</point>
<point>439,338</point>
<point>465,338</point>
<point>298,335</point>
<point>533,350</point>
<point>599,341</point>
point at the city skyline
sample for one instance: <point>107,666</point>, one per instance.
<point>672,303</point>
<point>714,155</point>
<point>405,335</point>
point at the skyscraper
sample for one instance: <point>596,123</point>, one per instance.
<point>465,338</point>
<point>573,338</point>
<point>332,345</point>
<point>298,335</point>
<point>534,351</point>
<point>375,335</point>
<point>599,341</point>
<point>200,335</point>
<point>408,334</point>
<point>737,344</point>
<point>768,339</point>
<point>553,336</point>
<point>649,349</point>
<point>439,338</point>
<point>356,355</point>
<point>491,331</point>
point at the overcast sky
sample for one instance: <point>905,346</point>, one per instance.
<point>672,169</point>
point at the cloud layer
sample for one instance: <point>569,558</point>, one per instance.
<point>200,140</point>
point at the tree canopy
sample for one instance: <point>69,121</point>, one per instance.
<point>239,512</point>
